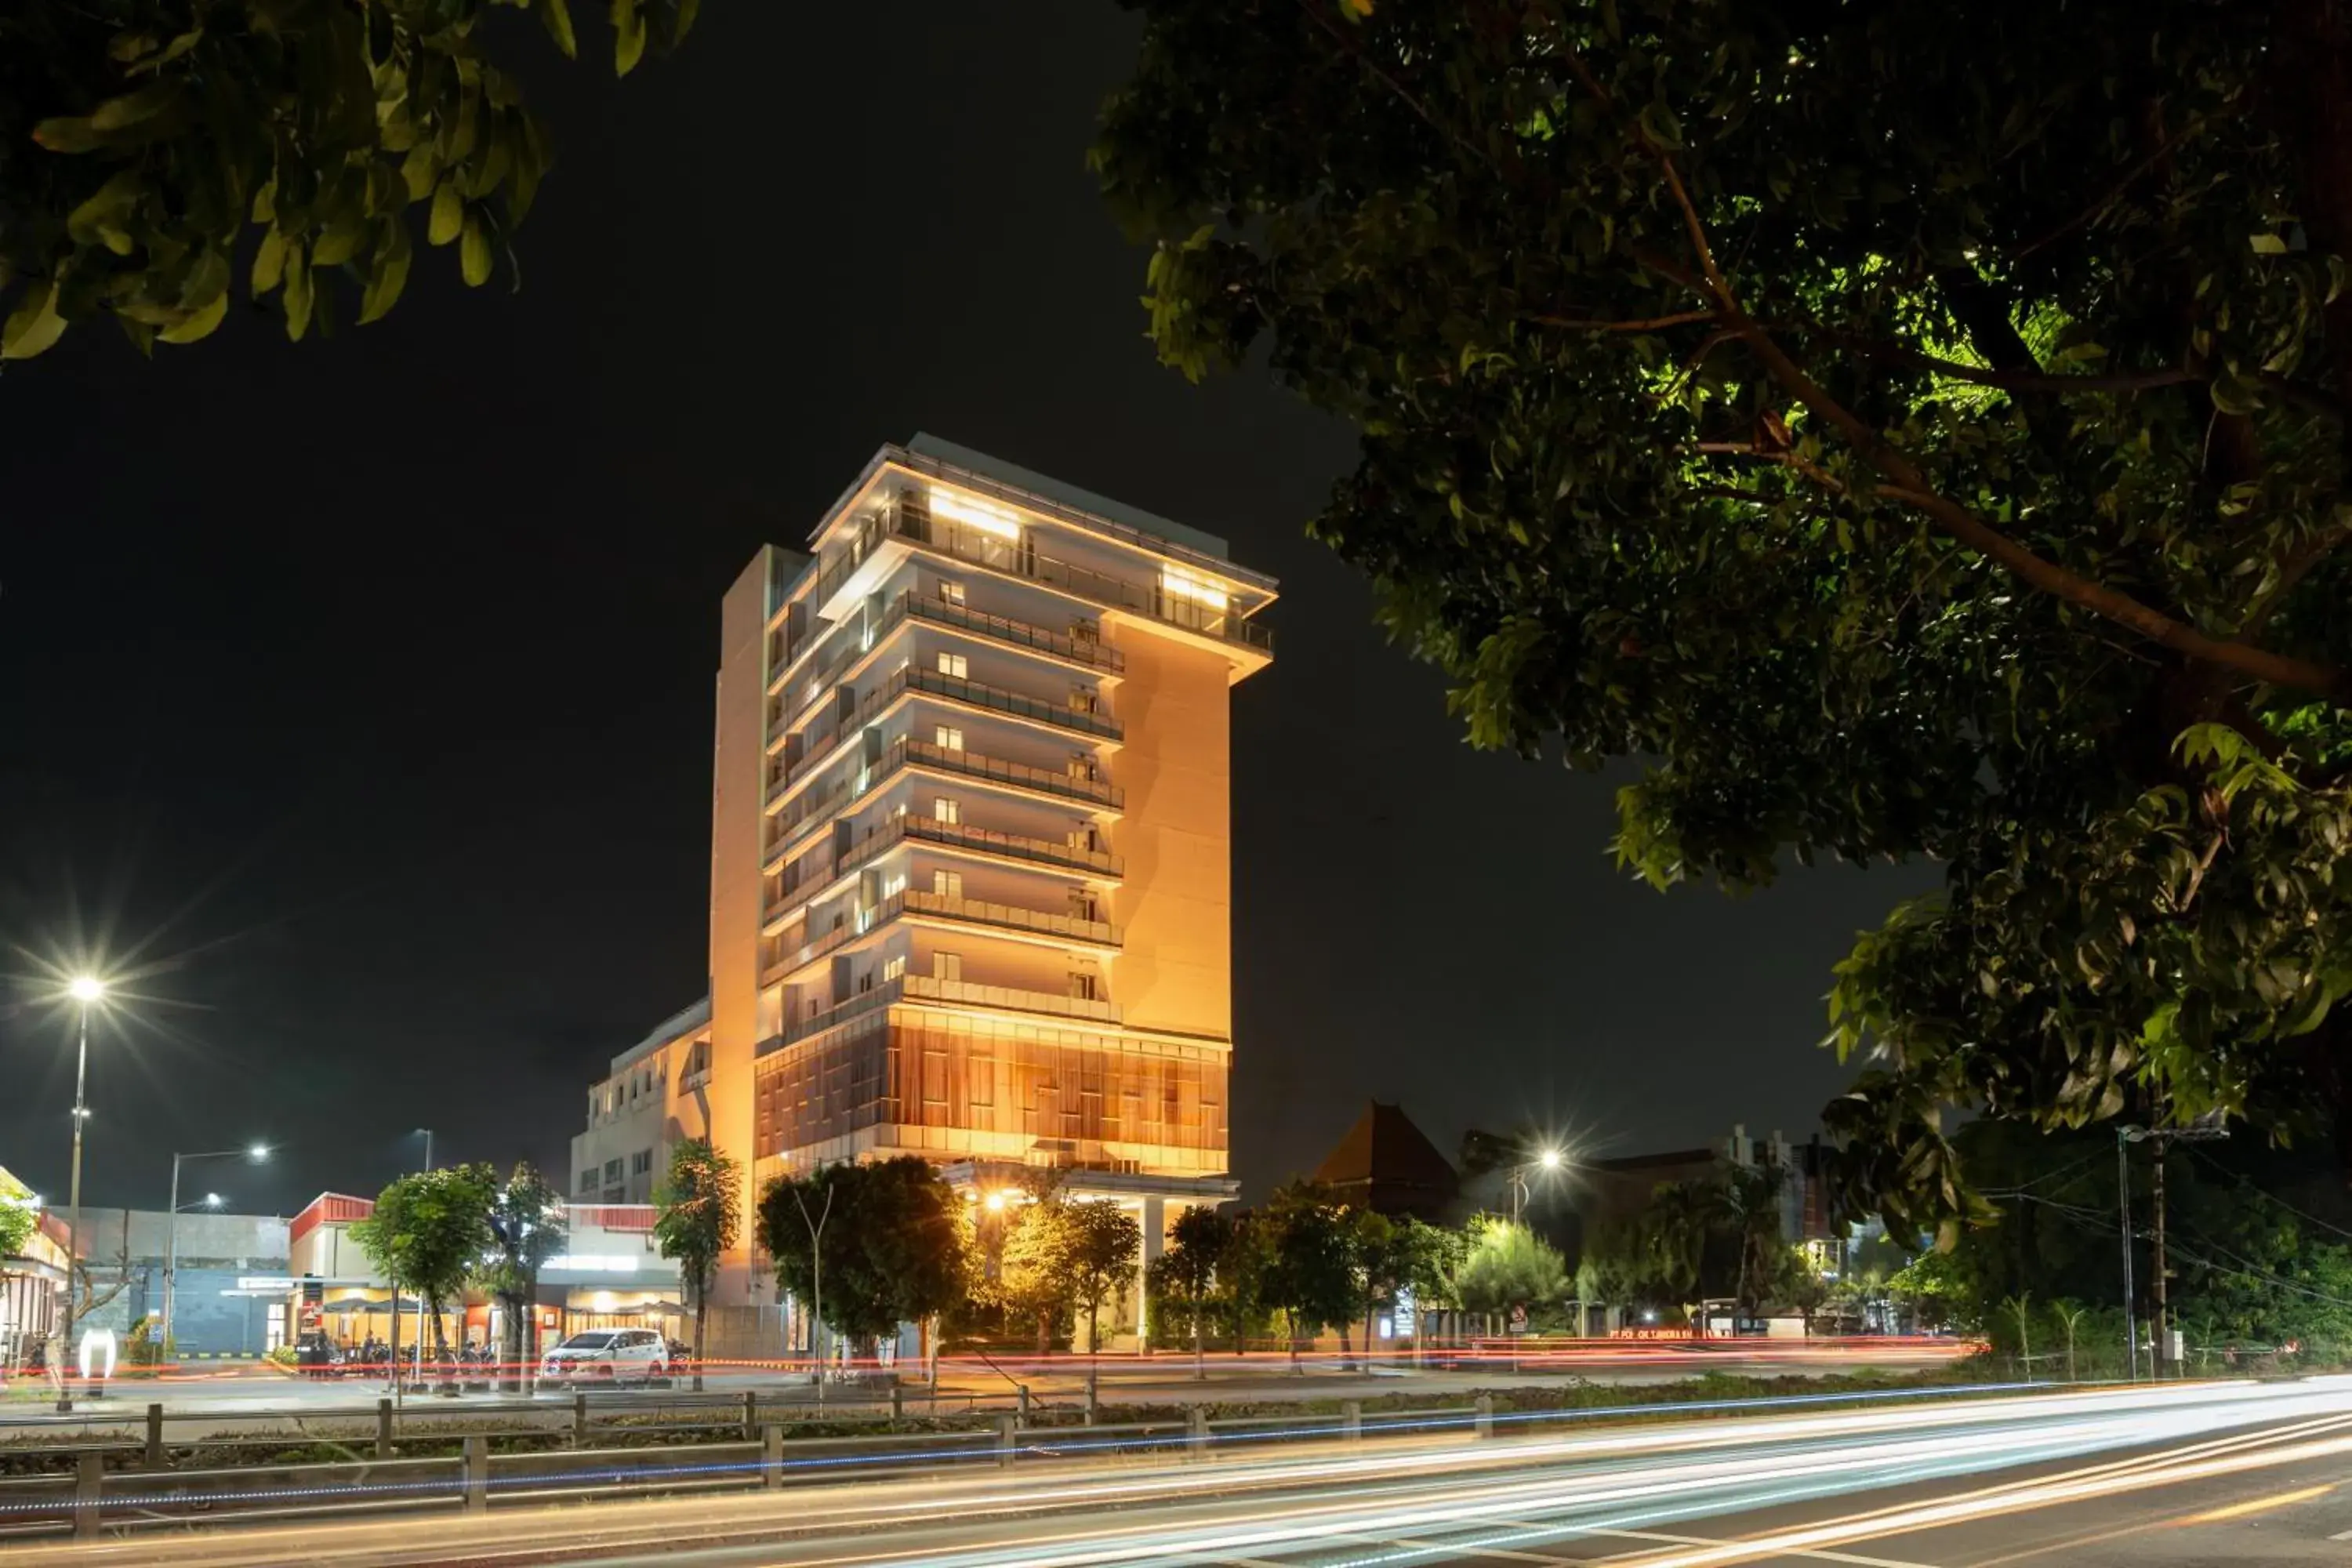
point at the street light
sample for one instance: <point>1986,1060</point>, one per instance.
<point>256,1153</point>
<point>87,991</point>
<point>1546,1159</point>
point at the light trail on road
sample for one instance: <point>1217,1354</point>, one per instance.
<point>1377,1503</point>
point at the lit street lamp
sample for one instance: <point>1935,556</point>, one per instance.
<point>1546,1159</point>
<point>87,991</point>
<point>256,1153</point>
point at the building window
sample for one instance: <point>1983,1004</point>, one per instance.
<point>1085,986</point>
<point>613,1168</point>
<point>588,1183</point>
<point>1083,700</point>
<point>948,738</point>
<point>946,809</point>
<point>947,884</point>
<point>893,967</point>
<point>952,665</point>
<point>950,593</point>
<point>641,1164</point>
<point>947,966</point>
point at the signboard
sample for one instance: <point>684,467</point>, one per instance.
<point>156,1332</point>
<point>1519,1320</point>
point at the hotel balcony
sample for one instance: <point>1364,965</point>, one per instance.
<point>908,519</point>
<point>1097,865</point>
<point>808,810</point>
<point>1010,917</point>
<point>821,744</point>
<point>1082,646</point>
<point>960,992</point>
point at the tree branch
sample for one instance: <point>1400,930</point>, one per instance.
<point>1785,457</point>
<point>2297,566</point>
<point>1912,487</point>
<point>2026,381</point>
<point>1347,46</point>
<point>1679,318</point>
<point>2115,193</point>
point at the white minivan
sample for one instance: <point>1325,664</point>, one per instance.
<point>608,1355</point>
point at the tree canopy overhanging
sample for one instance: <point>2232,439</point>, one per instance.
<point>1905,429</point>
<point>151,150</point>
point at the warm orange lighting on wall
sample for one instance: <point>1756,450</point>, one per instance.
<point>957,507</point>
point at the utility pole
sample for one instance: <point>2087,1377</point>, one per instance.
<point>2123,1190</point>
<point>2204,1130</point>
<point>2160,1346</point>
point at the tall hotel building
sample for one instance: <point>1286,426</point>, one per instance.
<point>970,860</point>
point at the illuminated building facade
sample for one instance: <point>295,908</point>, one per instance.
<point>971,844</point>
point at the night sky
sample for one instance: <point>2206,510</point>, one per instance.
<point>356,696</point>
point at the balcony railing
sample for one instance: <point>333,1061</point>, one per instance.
<point>911,520</point>
<point>1011,916</point>
<point>922,987</point>
<point>808,811</point>
<point>937,906</point>
<point>1044,850</point>
<point>819,744</point>
<point>1045,781</point>
<point>1076,647</point>
<point>899,827</point>
<point>882,995</point>
<point>1088,650</point>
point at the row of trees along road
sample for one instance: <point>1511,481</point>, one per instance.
<point>1904,431</point>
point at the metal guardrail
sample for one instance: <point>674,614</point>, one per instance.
<point>748,1447</point>
<point>751,1445</point>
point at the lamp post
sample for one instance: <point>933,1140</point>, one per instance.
<point>87,991</point>
<point>257,1153</point>
<point>816,1283</point>
<point>1546,1159</point>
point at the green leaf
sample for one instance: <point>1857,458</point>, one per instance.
<point>1659,125</point>
<point>628,36</point>
<point>299,300</point>
<point>474,255</point>
<point>107,206</point>
<point>67,133</point>
<point>268,263</point>
<point>556,16</point>
<point>34,325</point>
<point>391,274</point>
<point>419,170</point>
<point>2267,245</point>
<point>199,324</point>
<point>449,216</point>
<point>135,108</point>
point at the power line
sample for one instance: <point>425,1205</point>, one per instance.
<point>2244,1181</point>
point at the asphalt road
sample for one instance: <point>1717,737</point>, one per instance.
<point>2187,1474</point>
